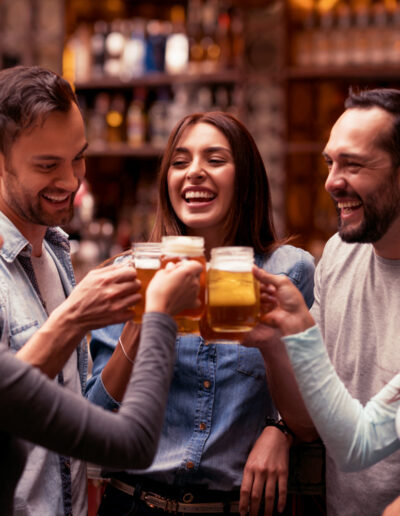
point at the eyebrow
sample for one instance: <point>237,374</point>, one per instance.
<point>214,148</point>
<point>53,157</point>
<point>345,155</point>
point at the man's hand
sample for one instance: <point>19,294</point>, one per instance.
<point>267,467</point>
<point>102,297</point>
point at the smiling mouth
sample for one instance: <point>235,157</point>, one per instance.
<point>349,206</point>
<point>192,197</point>
<point>57,199</point>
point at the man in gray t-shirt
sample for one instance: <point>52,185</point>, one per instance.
<point>357,283</point>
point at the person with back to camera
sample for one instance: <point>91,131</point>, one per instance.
<point>357,281</point>
<point>216,453</point>
<point>37,409</point>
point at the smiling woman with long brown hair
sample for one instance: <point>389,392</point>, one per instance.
<point>217,451</point>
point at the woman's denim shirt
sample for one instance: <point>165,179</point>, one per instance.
<point>219,397</point>
<point>22,313</point>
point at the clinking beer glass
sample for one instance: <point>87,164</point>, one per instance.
<point>178,248</point>
<point>147,260</point>
<point>233,294</point>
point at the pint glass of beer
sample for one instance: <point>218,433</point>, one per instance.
<point>146,258</point>
<point>178,248</point>
<point>233,296</point>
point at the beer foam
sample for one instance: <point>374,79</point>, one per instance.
<point>182,246</point>
<point>147,263</point>
<point>232,266</point>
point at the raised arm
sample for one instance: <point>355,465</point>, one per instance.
<point>355,436</point>
<point>36,409</point>
<point>103,297</point>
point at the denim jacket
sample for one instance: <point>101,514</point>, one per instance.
<point>218,400</point>
<point>42,489</point>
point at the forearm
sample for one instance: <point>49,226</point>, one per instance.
<point>116,373</point>
<point>52,345</point>
<point>40,411</point>
<point>285,391</point>
<point>355,436</point>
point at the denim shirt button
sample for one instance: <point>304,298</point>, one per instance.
<point>207,384</point>
<point>202,426</point>
<point>189,465</point>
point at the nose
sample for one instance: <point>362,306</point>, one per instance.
<point>70,177</point>
<point>195,171</point>
<point>335,180</point>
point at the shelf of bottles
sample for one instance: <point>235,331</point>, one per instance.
<point>136,77</point>
<point>346,38</point>
<point>331,46</point>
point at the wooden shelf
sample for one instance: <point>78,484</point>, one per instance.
<point>161,79</point>
<point>124,150</point>
<point>344,72</point>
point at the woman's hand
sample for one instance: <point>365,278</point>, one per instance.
<point>282,304</point>
<point>174,288</point>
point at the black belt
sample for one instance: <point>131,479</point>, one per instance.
<point>156,501</point>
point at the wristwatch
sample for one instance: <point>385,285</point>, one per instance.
<point>280,424</point>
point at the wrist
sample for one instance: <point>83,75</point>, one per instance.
<point>64,321</point>
<point>280,425</point>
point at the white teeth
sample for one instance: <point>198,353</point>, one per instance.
<point>349,204</point>
<point>56,198</point>
<point>199,195</point>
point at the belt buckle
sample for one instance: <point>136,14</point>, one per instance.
<point>155,500</point>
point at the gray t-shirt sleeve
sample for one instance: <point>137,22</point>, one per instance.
<point>35,408</point>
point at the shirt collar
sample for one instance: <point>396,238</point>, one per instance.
<point>15,242</point>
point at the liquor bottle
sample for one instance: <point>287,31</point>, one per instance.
<point>115,119</point>
<point>211,49</point>
<point>158,119</point>
<point>96,121</point>
<point>115,43</point>
<point>136,119</point>
<point>133,56</point>
<point>195,35</point>
<point>98,48</point>
<point>177,45</point>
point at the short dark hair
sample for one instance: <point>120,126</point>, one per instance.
<point>249,222</point>
<point>28,94</point>
<point>389,100</point>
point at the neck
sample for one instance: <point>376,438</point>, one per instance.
<point>34,233</point>
<point>389,245</point>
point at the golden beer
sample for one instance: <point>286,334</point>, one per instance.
<point>233,299</point>
<point>175,249</point>
<point>146,258</point>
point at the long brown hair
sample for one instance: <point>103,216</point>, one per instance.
<point>249,222</point>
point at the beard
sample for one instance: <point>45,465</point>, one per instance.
<point>29,207</point>
<point>381,208</point>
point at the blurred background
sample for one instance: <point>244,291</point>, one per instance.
<point>282,67</point>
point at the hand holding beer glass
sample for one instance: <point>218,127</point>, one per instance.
<point>233,296</point>
<point>179,248</point>
<point>147,260</point>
